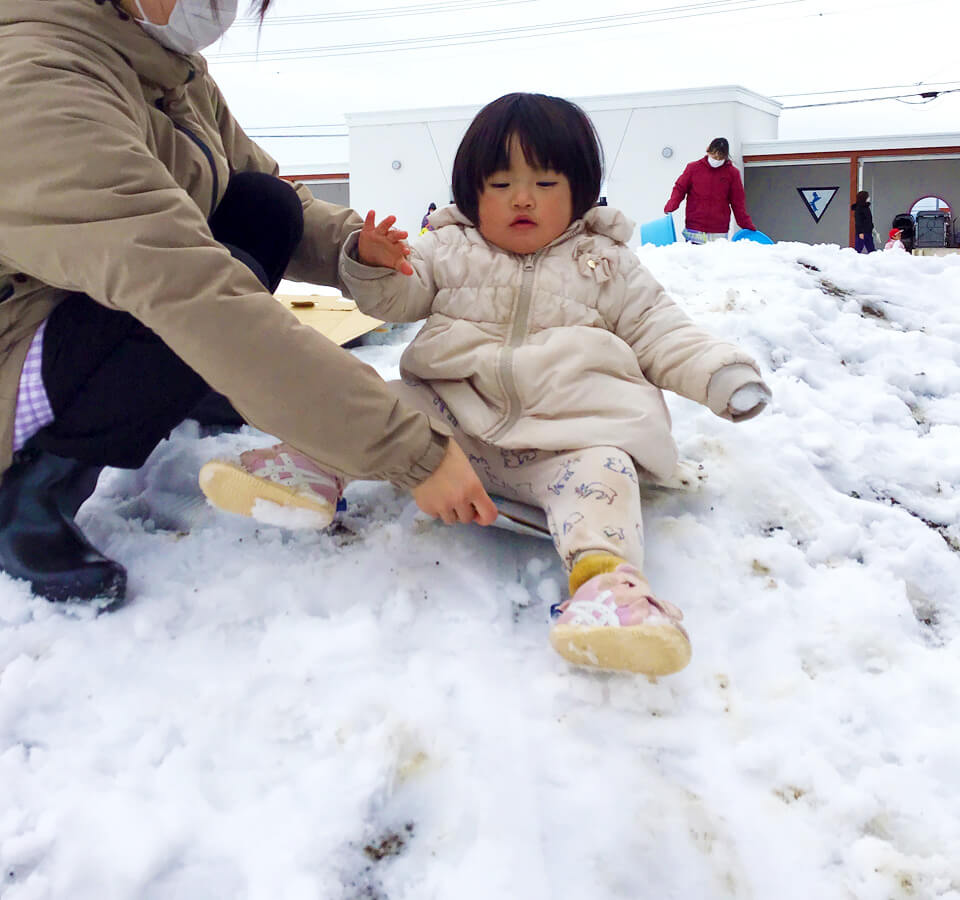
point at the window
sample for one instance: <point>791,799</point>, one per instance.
<point>931,204</point>
<point>333,188</point>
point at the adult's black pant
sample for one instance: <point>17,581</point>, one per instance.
<point>115,388</point>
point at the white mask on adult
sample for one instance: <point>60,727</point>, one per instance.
<point>193,24</point>
<point>716,163</point>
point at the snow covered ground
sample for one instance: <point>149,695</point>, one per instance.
<point>374,713</point>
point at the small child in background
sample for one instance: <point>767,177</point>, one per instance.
<point>425,221</point>
<point>545,349</point>
<point>895,243</point>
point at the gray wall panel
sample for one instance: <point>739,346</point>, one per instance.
<point>895,186</point>
<point>332,191</point>
<point>778,210</point>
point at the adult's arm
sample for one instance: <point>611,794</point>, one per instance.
<point>85,206</point>
<point>450,493</point>
<point>673,352</point>
<point>325,225</point>
<point>738,200</point>
<point>680,189</point>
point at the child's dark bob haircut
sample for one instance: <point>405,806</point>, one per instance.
<point>553,133</point>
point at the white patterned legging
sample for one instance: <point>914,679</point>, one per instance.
<point>591,497</point>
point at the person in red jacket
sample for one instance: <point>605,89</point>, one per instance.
<point>712,187</point>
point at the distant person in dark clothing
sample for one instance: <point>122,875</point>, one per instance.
<point>424,223</point>
<point>712,186</point>
<point>863,223</point>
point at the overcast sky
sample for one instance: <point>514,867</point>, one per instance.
<point>314,62</point>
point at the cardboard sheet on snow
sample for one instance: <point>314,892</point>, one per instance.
<point>335,317</point>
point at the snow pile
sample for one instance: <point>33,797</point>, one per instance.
<point>374,712</point>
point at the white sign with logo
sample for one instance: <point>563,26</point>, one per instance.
<point>817,199</point>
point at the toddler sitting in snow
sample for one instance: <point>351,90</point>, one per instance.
<point>545,348</point>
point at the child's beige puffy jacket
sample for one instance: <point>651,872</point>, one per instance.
<point>564,348</point>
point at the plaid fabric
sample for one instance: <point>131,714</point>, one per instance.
<point>33,405</point>
<point>702,237</point>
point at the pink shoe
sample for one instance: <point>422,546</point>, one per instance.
<point>277,485</point>
<point>611,622</point>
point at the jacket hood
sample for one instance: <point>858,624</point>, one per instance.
<point>610,222</point>
<point>603,220</point>
<point>92,25</point>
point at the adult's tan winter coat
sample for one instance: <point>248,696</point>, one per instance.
<point>113,153</point>
<point>561,349</point>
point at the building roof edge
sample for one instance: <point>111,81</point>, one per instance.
<point>731,93</point>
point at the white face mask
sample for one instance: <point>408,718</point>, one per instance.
<point>716,163</point>
<point>193,25</point>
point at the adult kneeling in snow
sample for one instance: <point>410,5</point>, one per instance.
<point>142,234</point>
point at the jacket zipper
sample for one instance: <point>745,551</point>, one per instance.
<point>204,149</point>
<point>517,334</point>
<point>215,193</point>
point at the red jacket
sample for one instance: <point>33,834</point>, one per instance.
<point>711,193</point>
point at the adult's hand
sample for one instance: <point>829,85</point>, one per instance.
<point>453,491</point>
<point>382,245</point>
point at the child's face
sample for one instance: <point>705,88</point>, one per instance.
<point>522,209</point>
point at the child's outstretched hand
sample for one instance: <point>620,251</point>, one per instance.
<point>382,245</point>
<point>748,401</point>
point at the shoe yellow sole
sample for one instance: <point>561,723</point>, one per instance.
<point>232,489</point>
<point>649,649</point>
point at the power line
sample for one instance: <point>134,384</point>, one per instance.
<point>878,87</point>
<point>389,12</point>
<point>436,151</point>
<point>695,10</point>
<point>623,137</point>
<point>929,86</point>
<point>926,95</point>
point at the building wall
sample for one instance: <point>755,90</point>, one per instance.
<point>633,131</point>
<point>778,210</point>
<point>425,152</point>
<point>895,186</point>
<point>640,179</point>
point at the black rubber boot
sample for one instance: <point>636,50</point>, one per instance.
<point>39,541</point>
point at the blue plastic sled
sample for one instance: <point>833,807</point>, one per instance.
<point>659,232</point>
<point>744,234</point>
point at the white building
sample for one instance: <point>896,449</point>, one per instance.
<point>400,161</point>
